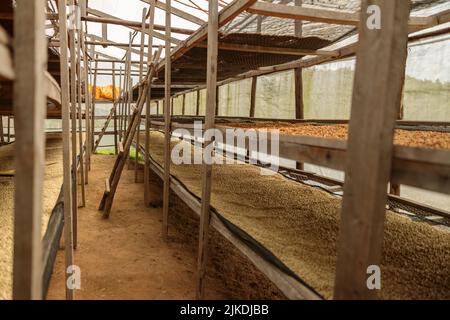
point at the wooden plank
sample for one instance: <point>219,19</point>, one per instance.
<point>211,107</point>
<point>177,12</point>
<point>29,108</point>
<point>151,16</point>
<point>80,122</point>
<point>226,15</point>
<point>370,146</point>
<point>271,50</point>
<point>289,286</point>
<point>87,99</point>
<point>197,106</point>
<point>167,116</point>
<point>67,176</point>
<point>52,89</point>
<point>107,186</point>
<point>322,15</point>
<point>135,51</point>
<point>155,33</point>
<point>141,70</point>
<point>135,24</point>
<point>73,111</point>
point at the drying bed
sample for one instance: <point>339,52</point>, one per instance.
<point>299,225</point>
<point>409,138</point>
<point>53,179</point>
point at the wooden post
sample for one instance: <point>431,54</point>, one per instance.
<point>94,98</point>
<point>114,106</point>
<point>2,138</point>
<point>298,81</point>
<point>253,96</point>
<point>124,148</point>
<point>67,184</point>
<point>73,104</point>
<point>211,109</point>
<point>30,56</point>
<point>381,60</point>
<point>120,104</point>
<point>80,123</point>
<point>147,110</point>
<point>183,105</point>
<point>167,120</point>
<point>141,68</point>
<point>87,100</point>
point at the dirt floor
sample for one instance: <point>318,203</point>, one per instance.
<point>423,139</point>
<point>125,257</point>
<point>53,178</point>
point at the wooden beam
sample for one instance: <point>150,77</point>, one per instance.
<point>227,14</point>
<point>135,24</point>
<point>116,44</point>
<point>304,13</point>
<point>253,97</point>
<point>370,146</point>
<point>96,38</point>
<point>116,151</point>
<point>151,16</point>
<point>29,108</point>
<point>67,176</point>
<point>87,102</point>
<point>271,50</point>
<point>141,70</point>
<point>323,15</point>
<point>211,105</point>
<point>177,12</point>
<point>167,118</point>
<point>289,286</point>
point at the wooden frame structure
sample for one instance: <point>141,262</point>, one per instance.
<point>399,165</point>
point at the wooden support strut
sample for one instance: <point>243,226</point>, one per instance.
<point>211,92</point>
<point>80,123</point>
<point>370,146</point>
<point>73,115</point>
<point>115,108</point>
<point>151,16</point>
<point>125,145</point>
<point>167,119</point>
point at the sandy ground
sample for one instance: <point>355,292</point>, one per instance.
<point>52,185</point>
<point>423,139</point>
<point>300,225</point>
<point>125,257</point>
